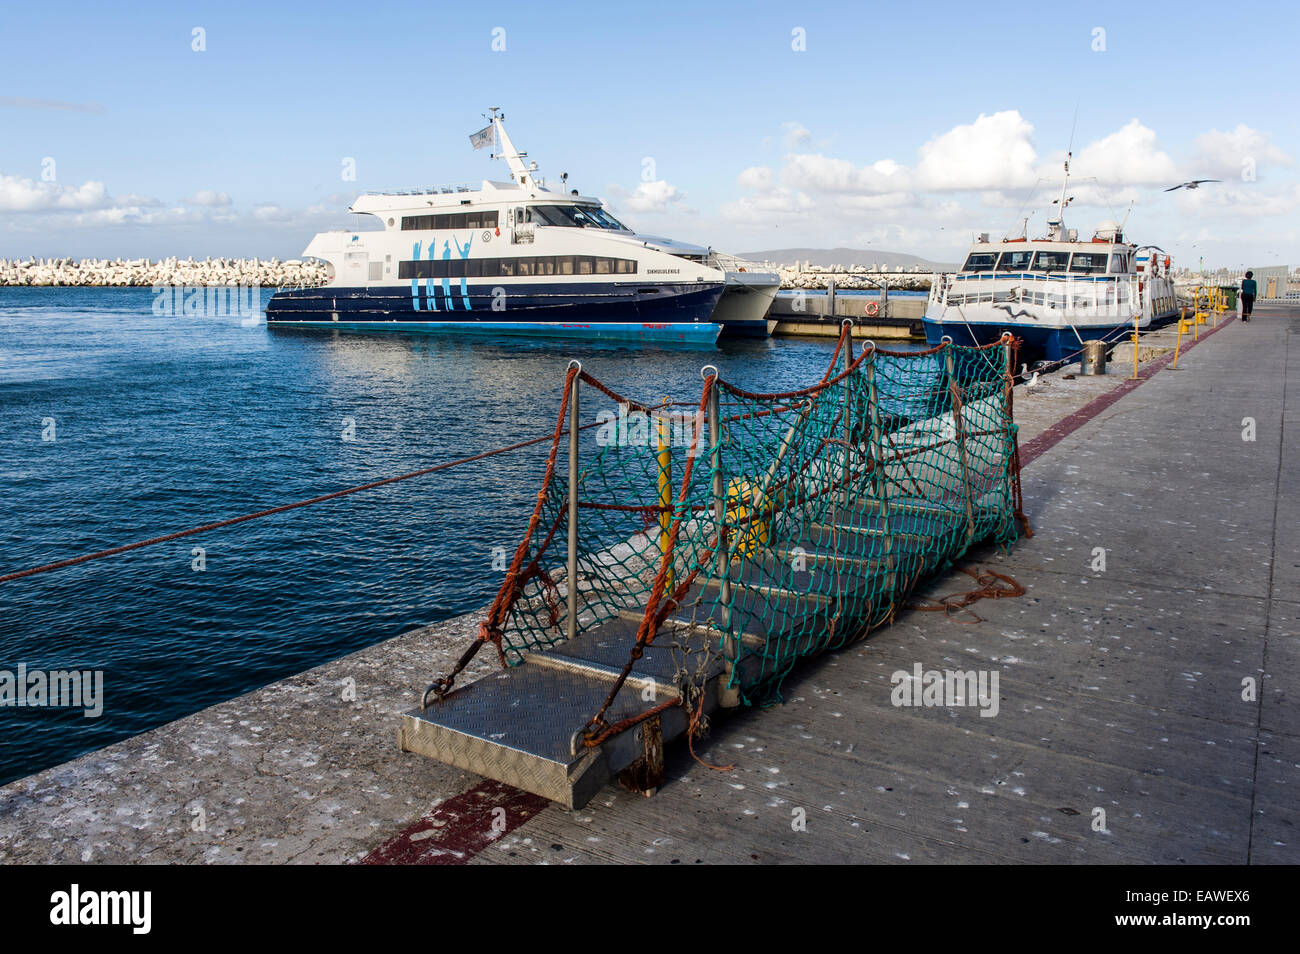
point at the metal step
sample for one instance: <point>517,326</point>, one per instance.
<point>522,725</point>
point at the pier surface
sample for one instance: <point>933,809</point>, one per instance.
<point>1160,691</point>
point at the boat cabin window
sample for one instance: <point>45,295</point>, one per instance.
<point>1088,263</point>
<point>1046,261</point>
<point>484,219</point>
<point>1014,261</point>
<point>522,265</point>
<point>605,220</point>
<point>577,216</point>
<point>1119,264</point>
<point>980,262</point>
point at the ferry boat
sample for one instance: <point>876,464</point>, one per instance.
<point>519,258</point>
<point>1055,292</point>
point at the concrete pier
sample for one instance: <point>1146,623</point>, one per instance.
<point>1146,708</point>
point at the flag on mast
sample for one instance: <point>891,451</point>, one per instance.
<point>487,136</point>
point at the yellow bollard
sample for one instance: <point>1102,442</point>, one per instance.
<point>1182,328</point>
<point>744,499</point>
<point>665,459</point>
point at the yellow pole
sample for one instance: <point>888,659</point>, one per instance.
<point>665,456</point>
<point>1182,324</point>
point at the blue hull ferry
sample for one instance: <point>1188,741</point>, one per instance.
<point>517,258</point>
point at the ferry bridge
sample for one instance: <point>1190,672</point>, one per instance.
<point>657,584</point>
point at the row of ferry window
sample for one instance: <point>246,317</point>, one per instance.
<point>524,265</point>
<point>1083,263</point>
<point>565,216</point>
<point>485,219</point>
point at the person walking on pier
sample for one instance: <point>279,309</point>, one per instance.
<point>1248,291</point>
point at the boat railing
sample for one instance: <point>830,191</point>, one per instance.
<point>733,263</point>
<point>1096,294</point>
<point>453,189</point>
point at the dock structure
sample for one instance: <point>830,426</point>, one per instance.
<point>1144,709</point>
<point>699,571</point>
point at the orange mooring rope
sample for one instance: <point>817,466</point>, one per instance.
<point>113,551</point>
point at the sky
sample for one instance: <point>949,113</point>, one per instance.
<point>240,130</point>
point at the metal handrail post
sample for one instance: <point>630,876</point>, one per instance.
<point>728,695</point>
<point>572,572</point>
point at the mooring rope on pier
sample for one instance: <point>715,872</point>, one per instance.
<point>217,525</point>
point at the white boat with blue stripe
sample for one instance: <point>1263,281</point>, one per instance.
<point>1055,292</point>
<point>518,258</point>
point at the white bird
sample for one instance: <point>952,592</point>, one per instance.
<point>1194,184</point>
<point>1033,380</point>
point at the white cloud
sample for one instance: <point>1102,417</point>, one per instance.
<point>994,152</point>
<point>1226,153</point>
<point>208,198</point>
<point>758,178</point>
<point>26,195</point>
<point>794,135</point>
<point>653,196</point>
<point>1128,156</point>
<point>761,208</point>
<point>824,174</point>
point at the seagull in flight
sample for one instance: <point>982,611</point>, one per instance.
<point>1194,184</point>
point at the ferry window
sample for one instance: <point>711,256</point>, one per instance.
<point>604,219</point>
<point>527,266</point>
<point>550,215</point>
<point>451,220</point>
<point>1088,263</point>
<point>1014,261</point>
<point>1118,264</point>
<point>980,262</point>
<point>1051,261</point>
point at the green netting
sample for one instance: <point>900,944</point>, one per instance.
<point>834,502</point>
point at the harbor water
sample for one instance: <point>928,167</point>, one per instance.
<point>119,424</point>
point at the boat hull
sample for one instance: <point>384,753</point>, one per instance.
<point>606,311</point>
<point>1037,341</point>
<point>744,307</point>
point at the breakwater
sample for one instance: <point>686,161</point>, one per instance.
<point>852,277</point>
<point>273,273</point>
<point>99,272</point>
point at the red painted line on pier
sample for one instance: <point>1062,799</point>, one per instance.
<point>460,828</point>
<point>1066,426</point>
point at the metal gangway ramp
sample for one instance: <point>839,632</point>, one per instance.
<point>695,552</point>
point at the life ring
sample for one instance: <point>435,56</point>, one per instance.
<point>872,309</point>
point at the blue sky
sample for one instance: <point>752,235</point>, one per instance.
<point>903,127</point>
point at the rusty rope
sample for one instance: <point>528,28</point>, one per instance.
<point>956,604</point>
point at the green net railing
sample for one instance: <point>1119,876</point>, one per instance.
<point>750,530</point>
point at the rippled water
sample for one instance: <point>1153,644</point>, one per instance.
<point>164,423</point>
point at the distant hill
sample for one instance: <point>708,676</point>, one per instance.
<point>844,256</point>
